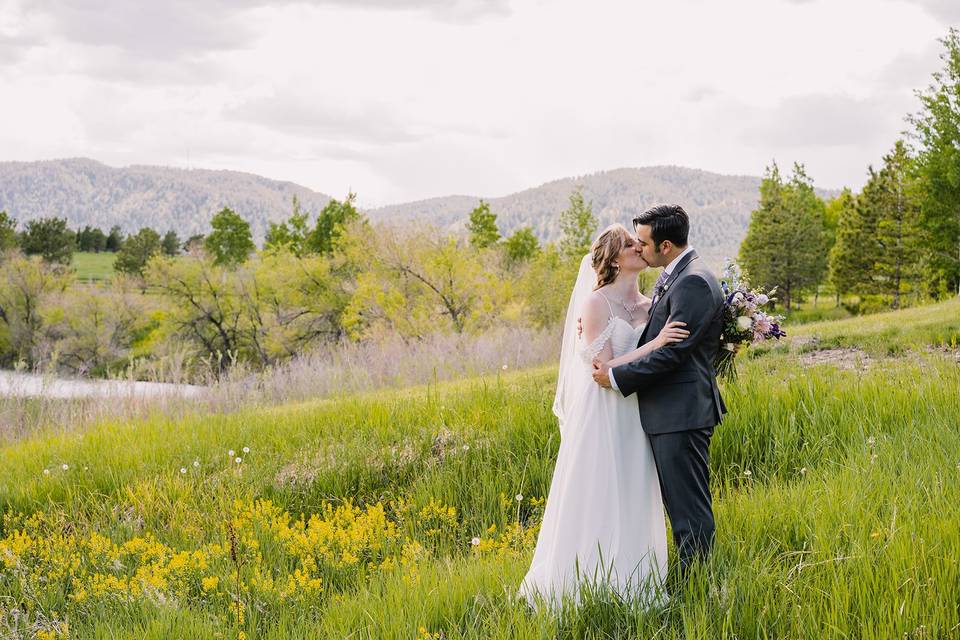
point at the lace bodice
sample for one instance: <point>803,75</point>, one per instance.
<point>622,336</point>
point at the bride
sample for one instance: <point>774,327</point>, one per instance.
<point>603,525</point>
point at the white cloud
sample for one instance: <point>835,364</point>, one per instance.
<point>406,99</point>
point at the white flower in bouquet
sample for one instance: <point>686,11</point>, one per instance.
<point>744,323</point>
<point>762,299</point>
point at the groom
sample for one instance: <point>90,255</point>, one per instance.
<point>676,385</point>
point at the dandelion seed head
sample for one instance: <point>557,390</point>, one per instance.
<point>238,460</point>
<point>64,466</point>
<point>231,453</point>
<point>46,472</point>
<point>504,367</point>
<point>475,541</point>
<point>518,497</point>
<point>246,449</point>
<point>196,463</point>
<point>183,469</point>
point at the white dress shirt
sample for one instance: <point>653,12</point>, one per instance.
<point>669,271</point>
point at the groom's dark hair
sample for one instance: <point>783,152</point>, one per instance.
<point>667,222</point>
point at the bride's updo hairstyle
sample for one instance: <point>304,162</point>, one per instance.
<point>604,252</point>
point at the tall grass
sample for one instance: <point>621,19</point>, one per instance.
<point>331,371</point>
<point>836,498</point>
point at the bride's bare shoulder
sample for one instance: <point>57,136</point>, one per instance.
<point>595,308</point>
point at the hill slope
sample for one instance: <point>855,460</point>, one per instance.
<point>88,192</point>
<point>719,205</point>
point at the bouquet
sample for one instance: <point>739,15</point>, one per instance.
<point>743,322</point>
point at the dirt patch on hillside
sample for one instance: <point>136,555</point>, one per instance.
<point>852,359</point>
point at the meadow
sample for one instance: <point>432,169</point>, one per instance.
<point>412,512</point>
<point>93,267</point>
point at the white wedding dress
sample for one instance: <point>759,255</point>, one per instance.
<point>603,525</point>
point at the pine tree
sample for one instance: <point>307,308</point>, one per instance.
<point>937,132</point>
<point>50,238</point>
<point>785,242</point>
<point>851,259</point>
<point>170,243</point>
<point>136,251</point>
<point>114,239</point>
<point>483,227</point>
<point>578,225</point>
<point>897,258</point>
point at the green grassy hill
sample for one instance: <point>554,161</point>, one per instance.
<point>413,513</point>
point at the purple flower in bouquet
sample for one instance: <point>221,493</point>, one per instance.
<point>744,322</point>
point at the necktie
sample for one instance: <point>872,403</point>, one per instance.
<point>658,287</point>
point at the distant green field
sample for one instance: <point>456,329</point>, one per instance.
<point>97,267</point>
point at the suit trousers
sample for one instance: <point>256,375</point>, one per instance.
<point>681,460</point>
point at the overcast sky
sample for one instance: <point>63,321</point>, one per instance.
<point>407,99</point>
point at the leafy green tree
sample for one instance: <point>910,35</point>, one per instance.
<point>114,239</point>
<point>8,232</point>
<point>937,134</point>
<point>522,246</point>
<point>268,309</point>
<point>170,243</point>
<point>88,328</point>
<point>545,287</point>
<point>483,227</point>
<point>785,242</point>
<point>331,222</point>
<point>292,234</point>
<point>50,238</point>
<point>26,283</point>
<point>136,251</point>
<point>578,225</point>
<point>418,281</point>
<point>230,243</point>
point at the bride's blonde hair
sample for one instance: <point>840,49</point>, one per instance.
<point>604,252</point>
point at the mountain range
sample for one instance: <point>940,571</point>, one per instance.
<point>87,192</point>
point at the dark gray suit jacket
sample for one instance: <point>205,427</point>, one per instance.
<point>676,386</point>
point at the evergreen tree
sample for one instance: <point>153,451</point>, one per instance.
<point>230,243</point>
<point>114,239</point>
<point>49,238</point>
<point>522,246</point>
<point>897,261</point>
<point>785,242</point>
<point>578,225</point>
<point>333,218</point>
<point>483,227</point>
<point>170,243</point>
<point>937,132</point>
<point>136,251</point>
<point>8,231</point>
<point>851,258</point>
